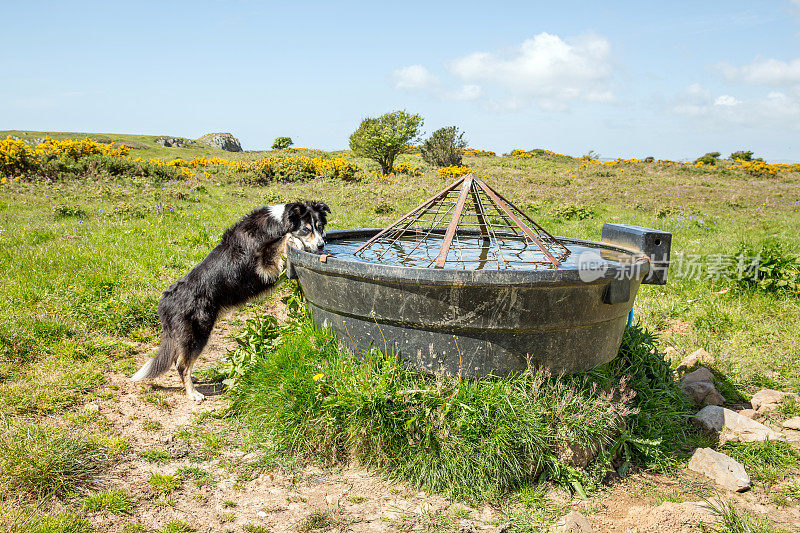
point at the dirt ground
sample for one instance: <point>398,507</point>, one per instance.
<point>227,489</point>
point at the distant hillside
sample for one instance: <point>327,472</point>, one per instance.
<point>140,145</point>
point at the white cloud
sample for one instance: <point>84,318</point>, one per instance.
<point>776,110</point>
<point>414,77</point>
<point>545,70</point>
<point>726,100</point>
<point>765,72</point>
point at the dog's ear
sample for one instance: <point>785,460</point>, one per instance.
<point>321,207</point>
<point>294,214</point>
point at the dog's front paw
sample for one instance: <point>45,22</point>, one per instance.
<point>196,396</point>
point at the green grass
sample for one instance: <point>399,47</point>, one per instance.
<point>155,455</point>
<point>317,520</point>
<point>80,279</point>
<point>732,520</point>
<point>39,460</point>
<point>198,475</point>
<point>176,526</point>
<point>115,501</point>
<point>767,462</point>
<point>27,521</point>
<point>468,439</point>
<point>163,484</point>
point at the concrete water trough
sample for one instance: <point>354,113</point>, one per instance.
<point>476,316</point>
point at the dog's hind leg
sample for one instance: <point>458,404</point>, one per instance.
<point>185,365</point>
<point>201,331</point>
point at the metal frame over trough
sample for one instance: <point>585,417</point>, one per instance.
<point>483,322</point>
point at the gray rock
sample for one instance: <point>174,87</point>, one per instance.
<point>671,353</point>
<point>698,357</point>
<point>720,468</point>
<point>573,522</point>
<point>768,400</point>
<point>467,526</point>
<point>733,427</point>
<point>792,423</point>
<point>223,141</point>
<point>174,142</point>
<point>750,413</point>
<point>701,374</point>
<point>702,393</point>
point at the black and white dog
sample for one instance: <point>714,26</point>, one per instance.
<point>247,262</point>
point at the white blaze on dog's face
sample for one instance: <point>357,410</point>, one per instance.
<point>309,234</point>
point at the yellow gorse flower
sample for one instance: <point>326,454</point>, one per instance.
<point>407,169</point>
<point>455,171</point>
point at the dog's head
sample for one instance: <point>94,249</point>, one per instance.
<point>306,221</point>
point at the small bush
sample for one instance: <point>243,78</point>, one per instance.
<point>444,148</point>
<point>767,267</point>
<point>382,139</point>
<point>743,155</point>
<point>649,159</point>
<point>455,172</point>
<point>281,143</point>
<point>407,169</point>
<point>573,212</point>
<point>68,211</point>
<point>758,168</point>
<point>710,158</point>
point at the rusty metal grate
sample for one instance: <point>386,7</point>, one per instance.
<point>466,225</point>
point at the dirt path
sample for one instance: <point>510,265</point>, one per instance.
<point>223,485</point>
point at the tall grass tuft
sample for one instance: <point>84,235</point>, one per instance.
<point>468,439</point>
<point>39,460</point>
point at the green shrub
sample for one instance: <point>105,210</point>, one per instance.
<point>710,158</point>
<point>767,267</point>
<point>573,212</point>
<point>382,139</point>
<point>744,155</point>
<point>444,147</point>
<point>649,159</point>
<point>281,143</point>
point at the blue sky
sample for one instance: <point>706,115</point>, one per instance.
<point>668,79</point>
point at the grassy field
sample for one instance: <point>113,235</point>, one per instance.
<point>83,261</point>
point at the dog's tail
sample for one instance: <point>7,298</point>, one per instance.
<point>159,364</point>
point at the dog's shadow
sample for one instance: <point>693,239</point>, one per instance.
<point>214,388</point>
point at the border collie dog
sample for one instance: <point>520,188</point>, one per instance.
<point>246,263</point>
